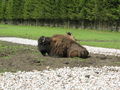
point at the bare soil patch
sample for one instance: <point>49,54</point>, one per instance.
<point>15,57</point>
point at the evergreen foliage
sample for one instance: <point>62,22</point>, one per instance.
<point>66,10</point>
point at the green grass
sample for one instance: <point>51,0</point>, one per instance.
<point>12,49</point>
<point>34,32</point>
<point>103,44</point>
<point>117,63</point>
<point>3,70</point>
<point>7,49</point>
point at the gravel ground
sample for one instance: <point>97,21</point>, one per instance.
<point>77,78</point>
<point>95,50</point>
<point>86,78</point>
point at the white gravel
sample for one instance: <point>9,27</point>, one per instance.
<point>19,40</point>
<point>95,50</point>
<point>87,78</point>
<point>77,78</point>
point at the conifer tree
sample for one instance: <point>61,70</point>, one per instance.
<point>18,9</point>
<point>9,10</point>
<point>3,10</point>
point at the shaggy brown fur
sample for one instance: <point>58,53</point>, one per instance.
<point>66,47</point>
<point>61,46</point>
<point>58,39</point>
<point>76,50</point>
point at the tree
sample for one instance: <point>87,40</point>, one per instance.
<point>18,9</point>
<point>9,10</point>
<point>37,9</point>
<point>3,10</point>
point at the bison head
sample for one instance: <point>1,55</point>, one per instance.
<point>44,45</point>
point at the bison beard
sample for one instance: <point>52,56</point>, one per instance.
<point>61,46</point>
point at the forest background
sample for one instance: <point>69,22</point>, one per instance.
<point>90,14</point>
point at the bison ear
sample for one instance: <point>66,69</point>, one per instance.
<point>69,33</point>
<point>43,38</point>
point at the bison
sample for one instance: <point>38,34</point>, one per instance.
<point>61,46</point>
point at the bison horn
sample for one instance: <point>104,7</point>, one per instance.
<point>43,39</point>
<point>69,33</point>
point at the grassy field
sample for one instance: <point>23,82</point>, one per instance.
<point>34,32</point>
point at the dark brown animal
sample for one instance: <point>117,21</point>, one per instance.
<point>66,47</point>
<point>61,46</point>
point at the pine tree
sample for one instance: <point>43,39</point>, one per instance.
<point>37,10</point>
<point>27,9</point>
<point>9,9</point>
<point>18,9</point>
<point>3,10</point>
